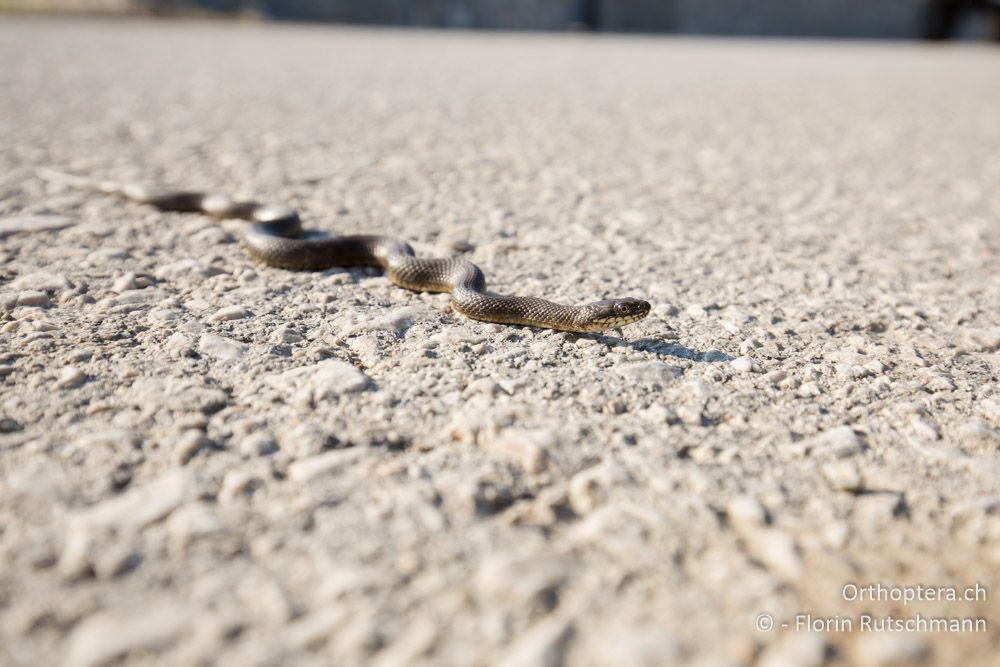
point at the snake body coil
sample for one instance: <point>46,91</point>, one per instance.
<point>276,238</point>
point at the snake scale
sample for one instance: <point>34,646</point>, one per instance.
<point>276,238</point>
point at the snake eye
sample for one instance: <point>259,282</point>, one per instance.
<point>621,309</point>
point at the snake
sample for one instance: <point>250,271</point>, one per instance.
<point>276,237</point>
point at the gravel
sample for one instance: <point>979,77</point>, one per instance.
<point>205,460</point>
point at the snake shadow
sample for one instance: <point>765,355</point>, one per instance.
<point>662,347</point>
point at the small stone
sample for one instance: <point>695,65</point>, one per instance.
<point>660,414</point>
<point>79,355</point>
<point>746,365</point>
<point>875,367</point>
<point>465,428</point>
<point>179,344</point>
<point>878,509</point>
<point>808,390</point>
<point>144,505</point>
<point>529,581</point>
<point>310,385</point>
<point>327,463</point>
<point>315,628</point>
<point>32,298</point>
<point>189,268</point>
<point>124,283</point>
<point>936,380</point>
<point>838,442</point>
<point>105,637</point>
<point>654,373</point>
<point>843,476</point>
<point>590,487</point>
<point>835,534</point>
<point>397,321</point>
<point>341,580</point>
<point>851,371</point>
<point>189,444</point>
<point>924,426</point>
<point>259,443</point>
<point>696,311</point>
<point>416,641</point>
<point>745,512</point>
<point>220,348</point>
<point>28,224</point>
<point>484,386</point>
<point>979,437</point>
<point>192,522</point>
<point>230,313</point>
<point>664,310</point>
<point>982,340</point>
<point>459,245</point>
<point>305,439</point>
<point>529,448</point>
<point>235,484</point>
<point>543,645</point>
<point>42,280</point>
<point>286,335</point>
<point>990,409</point>
<point>116,441</point>
<point>8,425</point>
<point>102,255</point>
<point>775,378</point>
<point>776,550</point>
<point>70,377</point>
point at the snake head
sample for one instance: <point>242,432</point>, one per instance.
<point>612,313</point>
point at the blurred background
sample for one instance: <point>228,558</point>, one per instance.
<point>898,19</point>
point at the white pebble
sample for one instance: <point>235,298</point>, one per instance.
<point>983,340</point>
<point>70,377</point>
<point>189,444</point>
<point>286,335</point>
<point>328,379</point>
<point>843,476</point>
<point>776,550</point>
<point>746,365</point>
<point>124,284</point>
<point>32,298</point>
<point>27,224</point>
<point>590,487</point>
<point>179,344</point>
<point>236,483</point>
<point>105,637</point>
<point>979,436</point>
<point>745,512</point>
<point>543,644</point>
<point>257,444</point>
<point>838,442</point>
<point>529,448</point>
<point>220,348</point>
<point>327,463</point>
<point>230,313</point>
<point>42,280</point>
<point>144,505</point>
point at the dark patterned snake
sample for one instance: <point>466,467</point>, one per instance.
<point>276,238</point>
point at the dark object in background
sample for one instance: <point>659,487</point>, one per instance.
<point>943,16</point>
<point>590,14</point>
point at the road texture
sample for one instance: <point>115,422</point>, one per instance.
<point>208,461</point>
